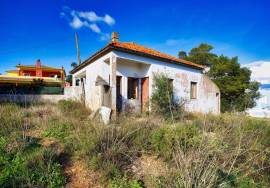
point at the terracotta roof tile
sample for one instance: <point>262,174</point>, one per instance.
<point>136,49</point>
<point>141,49</point>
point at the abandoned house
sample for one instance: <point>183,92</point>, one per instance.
<point>120,76</point>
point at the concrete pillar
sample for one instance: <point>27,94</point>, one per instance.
<point>151,77</point>
<point>113,66</point>
<point>140,91</point>
<point>73,80</point>
<point>124,91</point>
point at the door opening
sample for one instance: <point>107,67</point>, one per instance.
<point>145,93</point>
<point>119,93</point>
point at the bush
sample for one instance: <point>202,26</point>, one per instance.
<point>162,100</point>
<point>58,129</point>
<point>39,168</point>
<point>23,161</point>
<point>74,109</point>
<point>166,139</point>
<point>203,151</point>
<point>125,183</point>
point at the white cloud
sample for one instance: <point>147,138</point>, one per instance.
<point>94,28</point>
<point>109,20</point>
<point>87,19</point>
<point>93,17</point>
<point>260,71</point>
<point>76,23</point>
<point>90,16</point>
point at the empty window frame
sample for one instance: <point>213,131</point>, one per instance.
<point>171,87</point>
<point>77,82</point>
<point>193,90</point>
<point>133,88</point>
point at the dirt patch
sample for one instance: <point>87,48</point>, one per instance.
<point>149,165</point>
<point>79,175</point>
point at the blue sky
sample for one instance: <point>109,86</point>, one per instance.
<point>45,30</point>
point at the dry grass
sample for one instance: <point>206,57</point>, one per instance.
<point>143,150</point>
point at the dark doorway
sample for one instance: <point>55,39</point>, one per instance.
<point>118,93</point>
<point>133,88</point>
<point>145,93</point>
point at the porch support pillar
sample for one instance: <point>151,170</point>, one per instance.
<point>124,91</point>
<point>151,78</point>
<point>140,91</point>
<point>113,66</point>
<point>73,80</point>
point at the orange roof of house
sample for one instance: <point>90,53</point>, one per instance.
<point>138,48</point>
<point>131,47</point>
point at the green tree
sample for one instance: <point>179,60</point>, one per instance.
<point>182,54</point>
<point>238,92</point>
<point>69,79</point>
<point>74,65</point>
<point>201,54</point>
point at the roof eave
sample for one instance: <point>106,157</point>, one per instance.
<point>110,47</point>
<point>157,58</point>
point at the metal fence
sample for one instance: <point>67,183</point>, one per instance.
<point>31,90</point>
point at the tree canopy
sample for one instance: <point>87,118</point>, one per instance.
<point>238,92</point>
<point>74,65</point>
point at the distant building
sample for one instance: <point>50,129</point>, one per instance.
<point>29,74</point>
<point>262,109</point>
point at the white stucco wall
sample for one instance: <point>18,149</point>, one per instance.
<point>207,100</point>
<point>92,92</point>
<point>129,65</point>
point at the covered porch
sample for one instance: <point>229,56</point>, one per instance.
<point>129,82</point>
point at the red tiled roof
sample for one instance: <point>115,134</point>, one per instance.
<point>141,49</point>
<point>131,47</point>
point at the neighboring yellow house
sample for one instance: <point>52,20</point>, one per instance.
<point>12,73</point>
<point>34,74</point>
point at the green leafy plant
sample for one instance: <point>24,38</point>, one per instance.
<point>162,99</point>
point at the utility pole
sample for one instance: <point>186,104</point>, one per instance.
<point>78,48</point>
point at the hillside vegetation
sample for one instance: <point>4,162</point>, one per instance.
<point>55,145</point>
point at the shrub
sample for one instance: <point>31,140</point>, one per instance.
<point>111,149</point>
<point>23,162</point>
<point>123,182</point>
<point>34,169</point>
<point>162,100</point>
<point>166,139</point>
<point>73,108</point>
<point>58,129</point>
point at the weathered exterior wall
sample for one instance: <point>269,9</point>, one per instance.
<point>208,97</point>
<point>73,93</point>
<point>100,67</point>
<point>136,70</point>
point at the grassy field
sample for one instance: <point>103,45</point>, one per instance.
<point>56,145</point>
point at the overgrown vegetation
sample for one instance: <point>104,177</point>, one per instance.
<point>23,161</point>
<point>134,151</point>
<point>162,100</point>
